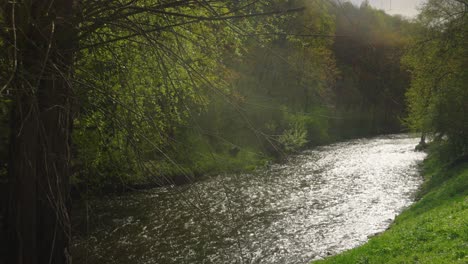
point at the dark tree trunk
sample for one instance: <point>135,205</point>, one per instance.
<point>423,139</point>
<point>422,143</point>
<point>38,215</point>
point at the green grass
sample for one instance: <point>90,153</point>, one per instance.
<point>433,230</point>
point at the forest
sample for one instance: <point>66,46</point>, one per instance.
<point>101,98</point>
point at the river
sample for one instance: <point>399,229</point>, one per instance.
<point>319,203</point>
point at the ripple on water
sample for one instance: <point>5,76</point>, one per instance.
<point>321,202</point>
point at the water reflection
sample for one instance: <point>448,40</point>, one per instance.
<point>321,202</point>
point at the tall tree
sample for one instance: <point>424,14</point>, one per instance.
<point>41,36</point>
<point>438,60</point>
<point>44,39</point>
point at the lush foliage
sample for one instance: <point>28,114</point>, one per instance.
<point>371,87</point>
<point>438,60</point>
<point>214,88</point>
<point>156,115</point>
<point>111,94</point>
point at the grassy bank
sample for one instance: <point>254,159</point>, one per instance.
<point>433,230</point>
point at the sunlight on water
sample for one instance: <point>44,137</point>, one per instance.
<point>319,203</point>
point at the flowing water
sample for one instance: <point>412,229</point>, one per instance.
<point>321,202</point>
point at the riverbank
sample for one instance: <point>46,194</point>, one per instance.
<point>433,230</point>
<point>323,200</point>
<point>200,164</point>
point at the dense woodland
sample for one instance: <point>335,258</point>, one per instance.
<point>100,96</point>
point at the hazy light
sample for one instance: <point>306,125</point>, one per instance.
<point>407,8</point>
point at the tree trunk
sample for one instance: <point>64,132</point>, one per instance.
<point>422,141</point>
<point>38,215</point>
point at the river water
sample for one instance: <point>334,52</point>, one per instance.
<point>321,202</point>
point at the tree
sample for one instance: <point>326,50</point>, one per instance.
<point>438,61</point>
<point>44,41</point>
<point>41,36</point>
<point>371,86</point>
